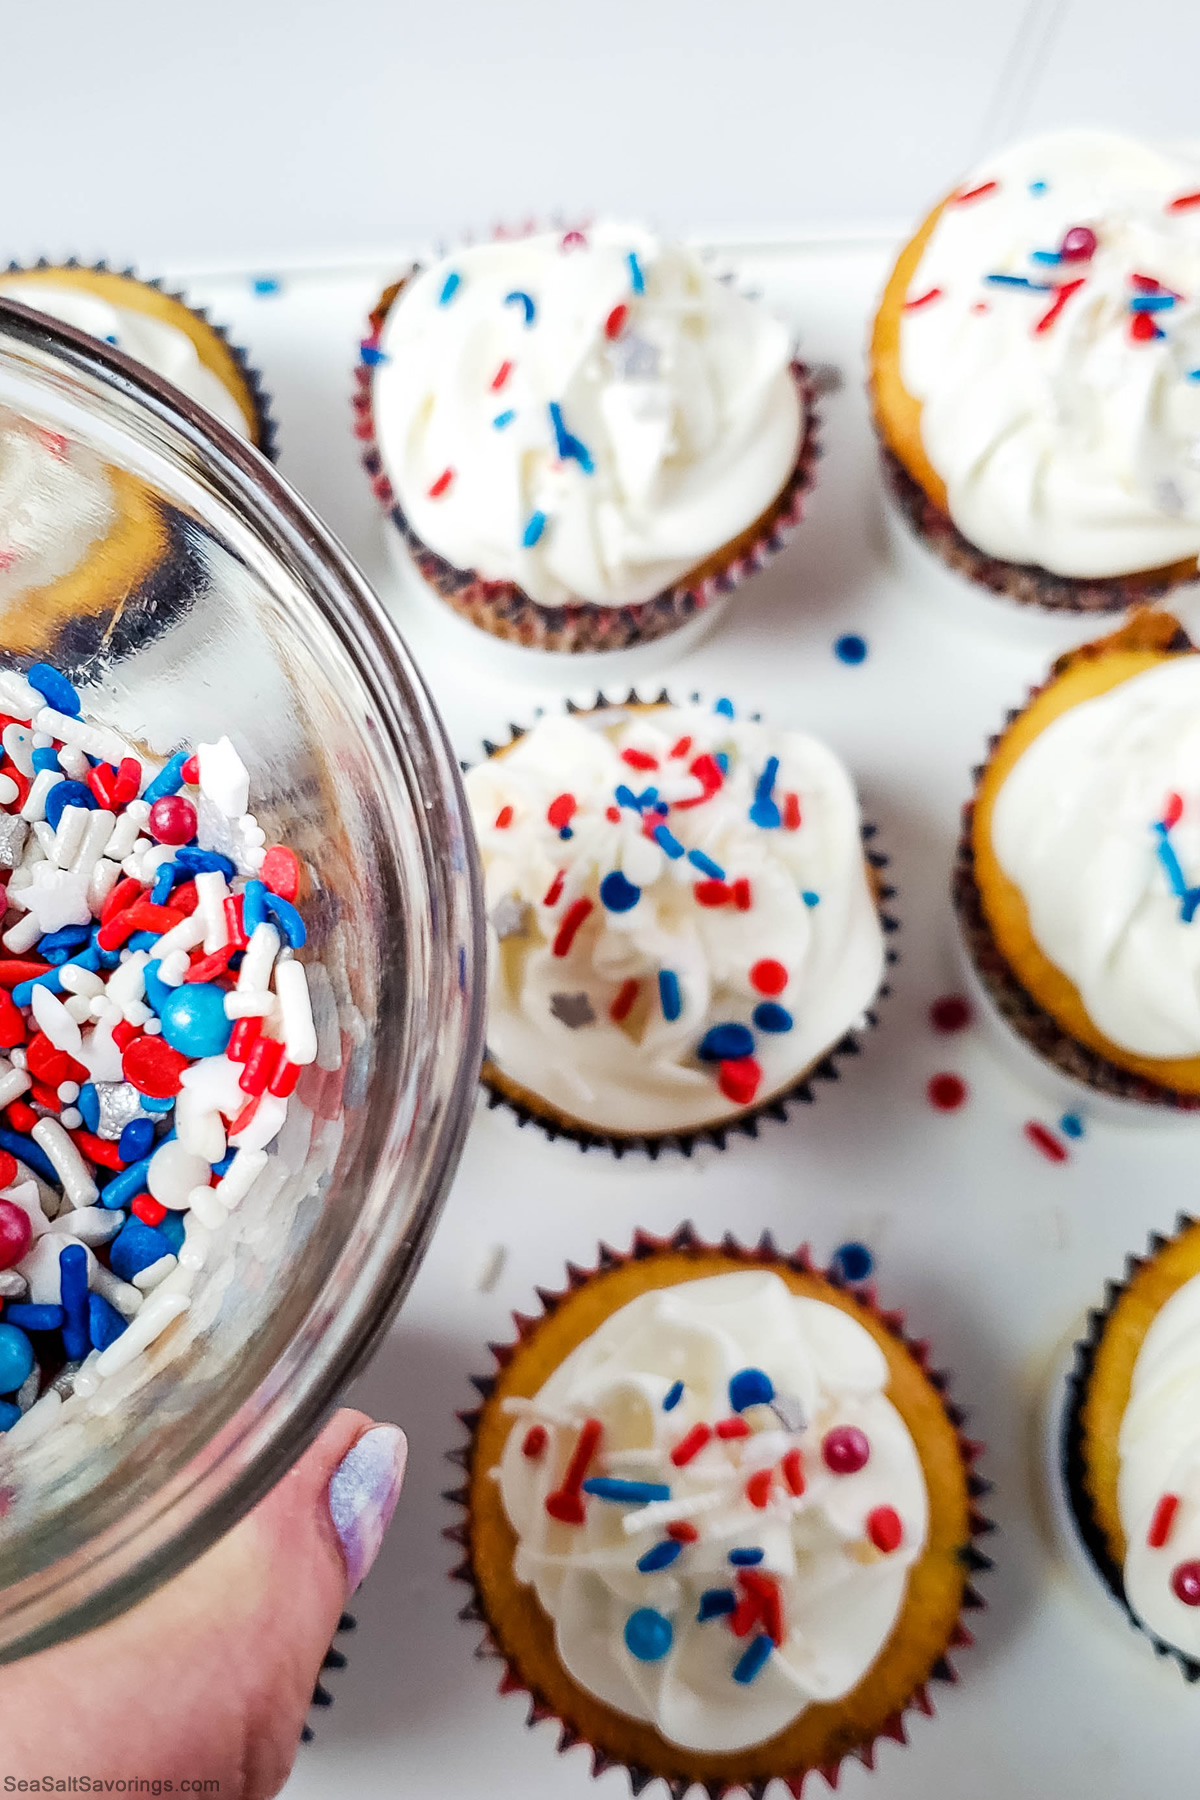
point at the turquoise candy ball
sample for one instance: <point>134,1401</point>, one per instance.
<point>648,1635</point>
<point>16,1358</point>
<point>193,1019</point>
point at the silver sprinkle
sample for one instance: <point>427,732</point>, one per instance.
<point>510,917</point>
<point>27,1393</point>
<point>13,832</point>
<point>119,1102</point>
<point>64,1381</point>
<point>573,1010</point>
<point>789,1412</point>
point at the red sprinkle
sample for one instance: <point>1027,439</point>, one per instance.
<point>98,1150</point>
<point>562,810</point>
<point>261,1064</point>
<point>639,759</point>
<point>245,1116</point>
<point>1143,329</point>
<point>741,894</point>
<point>8,1169</point>
<point>977,193</point>
<point>758,1488</point>
<point>12,1026</point>
<point>614,325</point>
<point>622,1006</point>
<point>739,1078</point>
<point>554,891</point>
<point>1184,202</point>
<point>21,1117</point>
<point>124,894</point>
<point>791,812</point>
<point>185,899</point>
<point>143,915</point>
<point>242,1039</point>
<point>682,747</point>
<point>191,770</point>
<point>149,1210</point>
<point>707,771</point>
<point>443,481</point>
<point>566,1504</point>
<point>568,1509</point>
<point>501,376</point>
<point>884,1528</point>
<point>103,782</point>
<point>13,973</point>
<point>46,1097</point>
<point>950,1013</point>
<point>1062,295</point>
<point>233,922</point>
<point>283,1082</point>
<point>946,1092</point>
<point>690,1445</point>
<point>768,976</point>
<point>732,1428</point>
<point>712,893</point>
<point>536,1439</point>
<point>125,1034</point>
<point>129,780</point>
<point>504,818</point>
<point>207,968</point>
<point>613,814</point>
<point>746,1615</point>
<point>1173,810</point>
<point>925,299</point>
<point>281,872</point>
<point>1045,1141</point>
<point>793,1471</point>
<point>1160,1524</point>
<point>575,914</point>
<point>153,1067</point>
<point>683,1532</point>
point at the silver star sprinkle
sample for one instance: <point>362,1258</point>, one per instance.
<point>789,1412</point>
<point>572,1010</point>
<point>632,358</point>
<point>510,917</point>
<point>119,1102</point>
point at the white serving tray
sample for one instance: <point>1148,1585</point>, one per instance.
<point>994,1253</point>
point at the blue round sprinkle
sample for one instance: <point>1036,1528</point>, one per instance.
<point>193,1019</point>
<point>619,893</point>
<point>565,833</point>
<point>850,648</point>
<point>853,1262</point>
<point>1037,187</point>
<point>54,688</point>
<point>136,1139</point>
<point>16,1358</point>
<point>1071,1125</point>
<point>770,1016</point>
<point>648,1635</point>
<point>750,1387</point>
<point>725,708</point>
<point>725,1043</point>
<point>64,794</point>
<point>810,898</point>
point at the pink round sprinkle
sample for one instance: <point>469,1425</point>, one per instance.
<point>173,819</point>
<point>1078,245</point>
<point>1185,1583</point>
<point>845,1449</point>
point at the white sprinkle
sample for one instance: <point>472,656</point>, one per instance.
<point>18,697</point>
<point>153,1319</point>
<point>104,879</point>
<point>8,790</point>
<point>18,746</point>
<point>12,1085</point>
<point>35,800</point>
<point>73,763</point>
<point>224,778</point>
<point>147,1279</point>
<point>264,1127</point>
<point>184,936</point>
<point>95,740</point>
<point>259,960</point>
<point>70,1167</point>
<point>37,1421</point>
<point>240,1177</point>
<point>124,836</point>
<point>96,834</point>
<point>53,1018</point>
<point>299,1032</point>
<point>212,890</point>
<point>173,967</point>
<point>78,980</point>
<point>256,1004</point>
<point>94,1225</point>
<point>174,1171</point>
<point>70,1118</point>
<point>24,934</point>
<point>68,839</point>
<point>68,1092</point>
<point>204,1205</point>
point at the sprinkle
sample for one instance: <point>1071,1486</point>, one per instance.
<point>569,448</point>
<point>533,530</point>
<point>669,996</point>
<point>1037,187</point>
<point>725,708</point>
<point>443,481</point>
<point>622,1006</point>
<point>575,914</point>
<point>535,1442</point>
<point>758,1488</point>
<point>554,892</point>
<point>613,814</point>
<point>767,976</point>
<point>789,1412</point>
<point>885,1529</point>
<point>853,1261</point>
<point>625,796</point>
<point>1056,305</point>
<point>572,1010</point>
<point>810,897</point>
<point>845,1450</point>
<point>565,1504</point>
<point>659,1556</point>
<point>1143,330</point>
<point>614,325</point>
<point>681,747</point>
<point>636,279</point>
<point>925,299</point>
<point>265,284</point>
<point>450,287</point>
<point>742,897</point>
<point>504,418</point>
<point>791,812</point>
<point>764,813</point>
<point>1185,1583</point>
<point>1018,281</point>
<point>850,648</point>
<point>950,1013</point>
<point>715,1603</point>
<point>1172,811</point>
<point>371,355</point>
<point>750,1387</point>
<point>712,893</point>
<point>739,1080</point>
<point>706,865</point>
<point>667,841</point>
<point>721,1042</point>
<point>1193,374</point>
<point>793,1472</point>
<point>690,1445</point>
<point>751,1663</point>
<point>1045,1141</point>
<point>1162,1521</point>
<point>745,1558</point>
<point>683,1531</point>
<point>1184,202</point>
<point>626,1493</point>
<point>619,893</point>
<point>1048,257</point>
<point>673,1396</point>
<point>573,240</point>
<point>769,1016</point>
<point>976,193</point>
<point>525,301</point>
<point>561,810</point>
<point>946,1092</point>
<point>648,1635</point>
<point>501,376</point>
<point>1151,303</point>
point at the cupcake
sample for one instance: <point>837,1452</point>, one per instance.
<point>684,926</point>
<point>155,328</point>
<point>1073,881</point>
<point>719,1517</point>
<point>583,440</point>
<point>1034,374</point>
<point>1132,1474</point>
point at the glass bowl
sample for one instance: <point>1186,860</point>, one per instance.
<point>183,586</point>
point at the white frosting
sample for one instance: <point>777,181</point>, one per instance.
<point>550,1026</point>
<point>1073,827</point>
<point>55,502</point>
<point>163,348</point>
<point>690,416</point>
<point>1159,1449</point>
<point>840,1596</point>
<point>1078,447</point>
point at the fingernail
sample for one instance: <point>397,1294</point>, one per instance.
<point>363,1491</point>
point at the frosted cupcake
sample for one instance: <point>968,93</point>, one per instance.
<point>1034,373</point>
<point>583,439</point>
<point>683,922</point>
<point>719,1519</point>
<point>1133,1444</point>
<point>1075,880</point>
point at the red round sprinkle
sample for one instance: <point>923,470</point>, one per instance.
<point>712,893</point>
<point>573,918</point>
<point>191,771</point>
<point>1045,1141</point>
<point>504,818</point>
<point>690,1445</point>
<point>951,1013</point>
<point>758,1488</point>
<point>622,1006</point>
<point>946,1092</point>
<point>639,759</point>
<point>1161,1523</point>
<point>769,976</point>
<point>884,1528</point>
<point>1173,810</point>
<point>8,1169</point>
<point>732,1428</point>
<point>1185,1583</point>
<point>438,488</point>
<point>149,1210</point>
<point>739,1078</point>
<point>1078,244</point>
<point>683,1532</point>
<point>153,1067</point>
<point>562,810</point>
<point>613,814</point>
<point>793,1471</point>
<point>173,819</point>
<point>16,1233</point>
<point>845,1450</point>
<point>280,871</point>
<point>535,1442</point>
<point>614,325</point>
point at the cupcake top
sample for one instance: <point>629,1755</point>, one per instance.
<point>1052,335</point>
<point>590,416</point>
<point>1158,1489</point>
<point>718,1506</point>
<point>681,918</point>
<point>163,348</point>
<point>1098,826</point>
<point>55,503</point>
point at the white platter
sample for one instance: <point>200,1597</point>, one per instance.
<point>993,1252</point>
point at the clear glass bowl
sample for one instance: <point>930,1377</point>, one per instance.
<point>188,591</point>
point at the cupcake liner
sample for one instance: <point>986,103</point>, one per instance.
<point>1072,1465</point>
<point>501,1093</point>
<point>265,432</point>
<point>334,1660</point>
<point>504,610</point>
<point>687,1241</point>
<point>1025,583</point>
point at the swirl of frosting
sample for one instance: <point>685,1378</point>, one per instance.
<point>163,348</point>
<point>55,503</point>
<point>1078,826</point>
<point>1158,1484</point>
<point>588,418</point>
<point>748,1485</point>
<point>1052,335</point>
<point>681,916</point>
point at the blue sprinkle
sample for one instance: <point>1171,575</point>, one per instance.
<point>638,1493</point>
<point>165,877</point>
<point>752,1660</point>
<point>646,798</point>
<point>136,1141</point>
<point>504,418</point>
<point>569,447</point>
<point>59,944</point>
<point>54,688</point>
<point>31,1154</point>
<point>223,1167</point>
<point>372,355</point>
<point>137,1246</point>
<point>89,1105</point>
<point>45,759</point>
<point>715,1602</point>
<point>111,338</point>
<point>525,301</point>
<point>746,1558</point>
<point>725,708</point>
<point>726,1043</point>
<point>9,1414</point>
<point>1193,374</point>
<point>1037,187</point>
<point>1071,1125</point>
<point>172,1229</point>
<point>143,940</point>
<point>265,284</point>
<point>73,1282</point>
<point>770,1016</point>
<point>669,995</point>
<point>1045,256</point>
<point>450,287</point>
<point>204,862</point>
<point>565,833</point>
<point>288,920</point>
<point>1151,303</point>
<point>672,1397</point>
<point>659,1556</point>
<point>152,1105</point>
<point>661,807</point>
<point>810,897</point>
<point>666,840</point>
<point>706,865</point>
<point>637,280</point>
<point>16,1358</point>
<point>254,906</point>
<point>533,529</point>
<point>765,814</point>
<point>750,1387</point>
<point>23,992</point>
<point>126,1186</point>
<point>850,648</point>
<point>619,893</point>
<point>853,1262</point>
<point>35,1318</point>
<point>648,1635</point>
<point>64,794</point>
<point>722,761</point>
<point>169,779</point>
<point>766,780</point>
<point>105,1323</point>
<point>1018,281</point>
<point>625,796</point>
